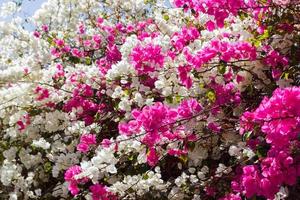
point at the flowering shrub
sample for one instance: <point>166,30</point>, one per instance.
<point>150,99</point>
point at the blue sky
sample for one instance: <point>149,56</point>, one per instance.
<point>30,6</point>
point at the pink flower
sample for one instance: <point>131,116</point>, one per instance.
<point>23,122</point>
<point>55,52</point>
<point>250,186</point>
<point>81,29</point>
<point>278,119</point>
<point>71,172</point>
<point>59,42</point>
<point>188,108</point>
<point>158,120</point>
<point>106,143</point>
<point>73,188</point>
<point>37,34</point>
<point>100,192</point>
<point>87,43</point>
<point>45,28</point>
<point>82,147</point>
<point>21,125</point>
<point>274,59</point>
<point>151,138</point>
<point>100,20</point>
<point>176,152</point>
<point>214,127</point>
<point>239,78</point>
<point>147,59</point>
<point>181,39</point>
<point>97,39</point>
<point>113,54</point>
<point>43,93</point>
<point>152,157</point>
<point>184,78</point>
<point>72,182</point>
<point>220,10</point>
<point>88,139</point>
<point>210,25</point>
<point>282,2</point>
<point>231,197</point>
<point>77,53</point>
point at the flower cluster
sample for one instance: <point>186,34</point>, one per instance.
<point>157,126</point>
<point>145,99</point>
<point>278,118</point>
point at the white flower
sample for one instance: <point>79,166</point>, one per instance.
<point>234,150</point>
<point>38,192</point>
<point>10,154</point>
<point>194,179</point>
<point>222,169</point>
<point>282,194</point>
<point>167,91</point>
<point>117,93</point>
<point>192,170</point>
<point>42,143</point>
<point>201,175</point>
<point>159,84</point>
<point>111,169</point>
<point>8,8</point>
<point>142,158</point>
<point>125,104</point>
<point>13,196</point>
<point>8,171</point>
<point>249,153</point>
<point>149,102</point>
<point>181,180</point>
<point>139,99</point>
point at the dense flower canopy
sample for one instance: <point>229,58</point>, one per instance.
<point>150,99</point>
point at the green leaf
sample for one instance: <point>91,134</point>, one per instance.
<point>97,116</point>
<point>178,99</point>
<point>211,95</point>
<point>131,157</point>
<point>247,135</point>
<point>34,112</point>
<point>74,60</point>
<point>183,158</point>
<point>88,61</point>
<point>127,92</point>
<point>169,99</point>
<point>265,35</point>
<point>47,167</point>
<point>255,42</point>
<point>50,41</point>
<point>166,17</point>
<point>261,151</point>
<point>286,75</point>
<point>3,145</point>
<point>145,176</point>
<point>243,15</point>
<point>8,61</point>
<point>191,146</point>
<point>222,67</point>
